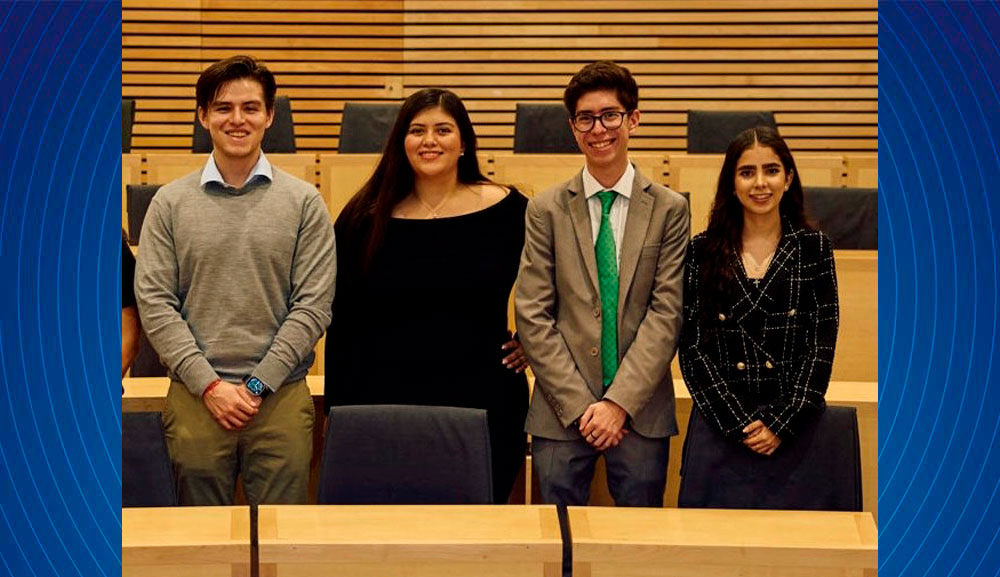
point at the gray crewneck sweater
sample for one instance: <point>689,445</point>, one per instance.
<point>236,282</point>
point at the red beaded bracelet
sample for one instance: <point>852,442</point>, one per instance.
<point>210,386</point>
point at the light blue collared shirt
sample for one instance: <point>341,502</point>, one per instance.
<point>211,172</point>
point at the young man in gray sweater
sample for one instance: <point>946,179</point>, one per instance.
<point>234,281</point>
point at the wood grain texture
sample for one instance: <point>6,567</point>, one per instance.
<point>799,60</point>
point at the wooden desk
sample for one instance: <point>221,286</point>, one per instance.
<point>164,168</point>
<point>856,357</point>
<point>131,174</point>
<point>715,543</point>
<point>415,541</point>
<point>341,175</point>
<point>148,394</point>
<point>189,541</point>
<point>300,165</point>
<point>862,170</point>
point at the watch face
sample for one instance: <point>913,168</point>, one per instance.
<point>256,386</point>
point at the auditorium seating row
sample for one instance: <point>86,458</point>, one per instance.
<point>149,394</point>
<point>539,128</point>
<point>339,176</point>
<point>494,541</point>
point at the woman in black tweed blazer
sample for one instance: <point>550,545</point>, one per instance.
<point>760,303</point>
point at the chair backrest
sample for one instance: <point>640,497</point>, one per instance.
<point>711,131</point>
<point>543,128</point>
<point>128,118</point>
<point>819,470</point>
<point>849,216</point>
<point>147,361</point>
<point>401,454</point>
<point>138,197</point>
<point>147,477</point>
<point>280,137</point>
<point>365,128</point>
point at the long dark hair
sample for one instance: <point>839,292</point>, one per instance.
<point>724,236</point>
<point>369,210</point>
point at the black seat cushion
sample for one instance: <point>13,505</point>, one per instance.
<point>400,454</point>
<point>147,476</point>
<point>849,216</point>
<point>711,131</point>
<point>543,128</point>
<point>365,128</point>
<point>818,470</point>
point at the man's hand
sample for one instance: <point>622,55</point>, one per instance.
<point>515,359</point>
<point>231,405</point>
<point>760,439</point>
<point>602,425</point>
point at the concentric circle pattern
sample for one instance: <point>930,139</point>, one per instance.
<point>939,404</point>
<point>60,411</point>
<point>60,420</point>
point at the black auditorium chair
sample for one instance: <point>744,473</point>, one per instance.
<point>819,470</point>
<point>147,361</point>
<point>128,118</point>
<point>280,137</point>
<point>711,131</point>
<point>406,455</point>
<point>365,128</point>
<point>137,199</point>
<point>147,477</point>
<point>543,128</point>
<point>849,216</point>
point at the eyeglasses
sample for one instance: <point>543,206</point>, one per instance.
<point>610,120</point>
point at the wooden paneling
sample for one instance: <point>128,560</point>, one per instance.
<point>814,64</point>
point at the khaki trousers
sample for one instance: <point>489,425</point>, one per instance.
<point>272,453</point>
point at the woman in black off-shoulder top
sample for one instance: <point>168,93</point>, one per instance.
<point>427,253</point>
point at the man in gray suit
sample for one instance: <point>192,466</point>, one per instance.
<point>599,307</point>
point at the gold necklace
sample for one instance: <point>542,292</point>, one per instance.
<point>433,210</point>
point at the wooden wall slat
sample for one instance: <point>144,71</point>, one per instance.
<point>815,65</point>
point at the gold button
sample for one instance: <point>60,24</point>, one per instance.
<point>722,317</point>
<point>791,313</point>
<point>768,365</point>
<point>597,313</point>
<point>741,366</point>
<point>594,351</point>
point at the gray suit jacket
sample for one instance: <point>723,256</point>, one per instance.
<point>559,306</point>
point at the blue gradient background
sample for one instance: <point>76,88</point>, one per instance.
<point>60,421</point>
<point>939,161</point>
<point>60,183</point>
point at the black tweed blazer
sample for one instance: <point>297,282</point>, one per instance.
<point>767,355</point>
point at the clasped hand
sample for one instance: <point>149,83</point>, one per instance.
<point>231,405</point>
<point>602,425</point>
<point>760,439</point>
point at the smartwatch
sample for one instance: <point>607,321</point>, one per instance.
<point>257,387</point>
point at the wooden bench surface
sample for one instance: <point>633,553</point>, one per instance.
<point>713,542</point>
<point>185,540</point>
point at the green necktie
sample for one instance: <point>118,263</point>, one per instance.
<point>607,275</point>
